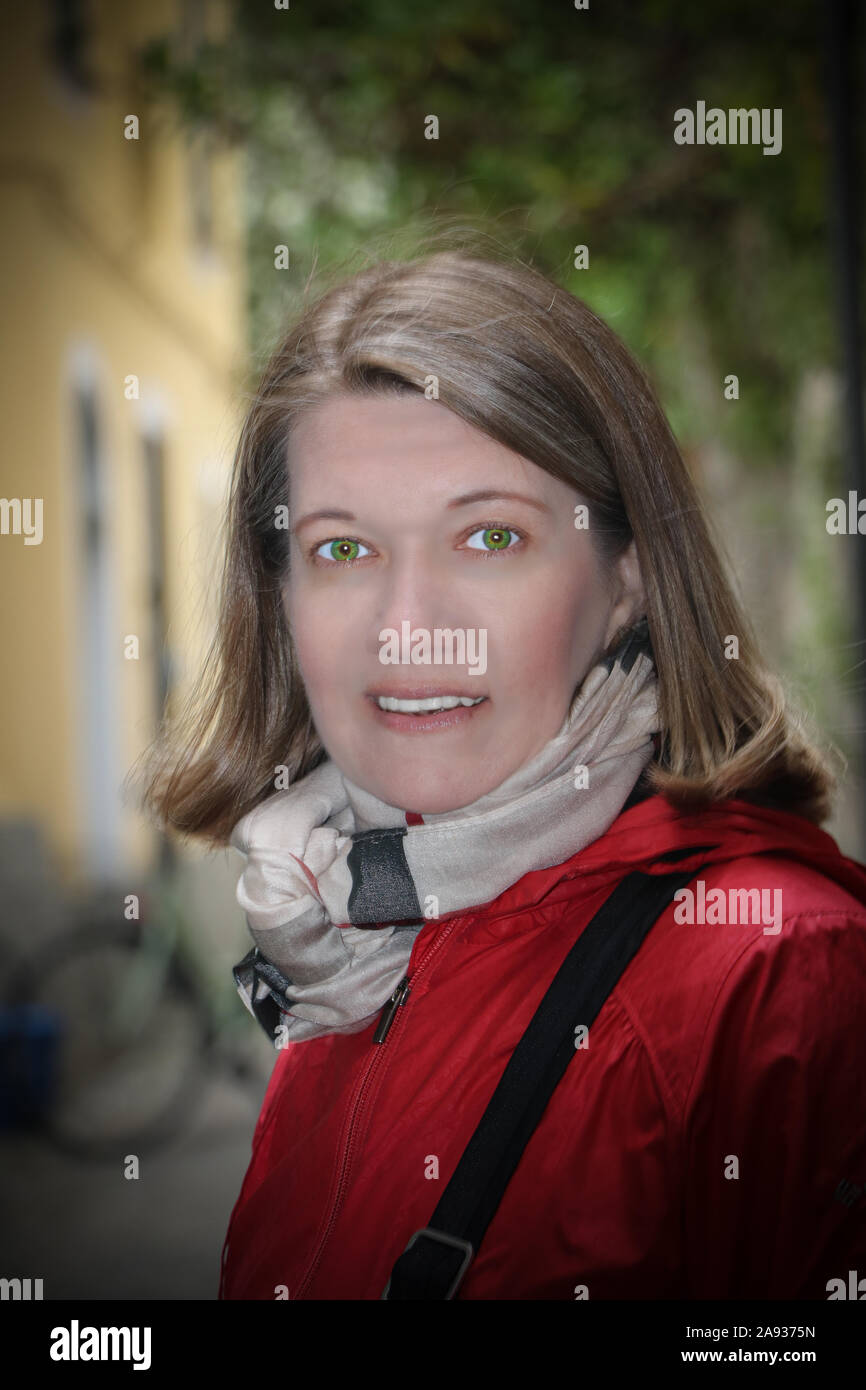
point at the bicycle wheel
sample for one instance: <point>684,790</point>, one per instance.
<point>132,1038</point>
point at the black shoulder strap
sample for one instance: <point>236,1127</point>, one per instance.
<point>437,1257</point>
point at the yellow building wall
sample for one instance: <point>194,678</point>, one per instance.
<point>102,280</point>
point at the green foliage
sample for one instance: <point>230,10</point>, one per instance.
<point>556,128</point>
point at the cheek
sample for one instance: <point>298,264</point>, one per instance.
<point>544,654</point>
<point>318,642</point>
<point>547,627</point>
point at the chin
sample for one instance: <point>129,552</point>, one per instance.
<point>429,796</point>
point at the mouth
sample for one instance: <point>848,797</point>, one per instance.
<point>427,706</point>
<point>418,711</point>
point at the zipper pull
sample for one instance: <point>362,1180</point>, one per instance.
<point>400,995</point>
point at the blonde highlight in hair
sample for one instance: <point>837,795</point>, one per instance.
<point>531,366</point>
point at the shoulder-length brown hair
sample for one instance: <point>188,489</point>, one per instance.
<point>531,366</point>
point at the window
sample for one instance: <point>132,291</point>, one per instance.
<point>68,43</point>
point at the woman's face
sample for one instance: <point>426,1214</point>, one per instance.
<point>404,521</point>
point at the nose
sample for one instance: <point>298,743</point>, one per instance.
<point>414,589</point>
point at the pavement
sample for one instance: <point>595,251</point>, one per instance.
<point>90,1233</point>
<point>80,1225</point>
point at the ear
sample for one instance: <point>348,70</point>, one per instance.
<point>629,597</point>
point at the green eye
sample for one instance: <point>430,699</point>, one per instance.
<point>493,538</point>
<point>343,549</point>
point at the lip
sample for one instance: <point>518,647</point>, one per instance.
<point>424,723</point>
<point>422,692</point>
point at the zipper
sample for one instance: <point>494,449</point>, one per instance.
<point>400,995</point>
<point>389,1013</point>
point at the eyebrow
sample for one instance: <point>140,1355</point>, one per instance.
<point>464,500</point>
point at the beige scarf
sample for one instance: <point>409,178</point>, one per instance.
<point>337,886</point>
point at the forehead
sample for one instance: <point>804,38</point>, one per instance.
<point>346,426</point>
<point>402,443</point>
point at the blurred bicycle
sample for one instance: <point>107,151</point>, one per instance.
<point>139,1031</point>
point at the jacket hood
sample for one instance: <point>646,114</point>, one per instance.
<point>653,834</point>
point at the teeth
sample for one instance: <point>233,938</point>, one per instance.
<point>425,706</point>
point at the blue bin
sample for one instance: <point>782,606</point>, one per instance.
<point>29,1055</point>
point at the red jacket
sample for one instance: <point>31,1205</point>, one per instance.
<point>711,1143</point>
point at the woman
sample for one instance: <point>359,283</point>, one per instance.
<point>478,662</point>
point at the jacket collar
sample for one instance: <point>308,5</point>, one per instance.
<point>650,833</point>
